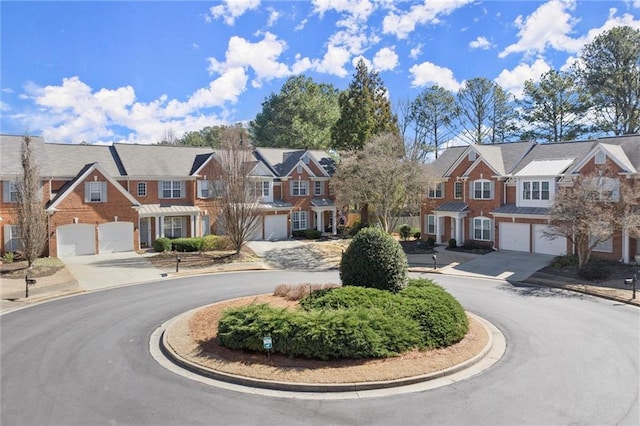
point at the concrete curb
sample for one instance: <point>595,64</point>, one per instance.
<point>491,353</point>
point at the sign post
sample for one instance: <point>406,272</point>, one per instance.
<point>267,343</point>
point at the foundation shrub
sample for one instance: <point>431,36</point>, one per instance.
<point>374,259</point>
<point>215,243</point>
<point>595,270</point>
<point>162,244</point>
<point>405,232</point>
<point>187,244</point>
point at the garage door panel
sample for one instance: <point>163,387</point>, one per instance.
<point>275,227</point>
<point>76,240</point>
<point>543,245</point>
<point>515,236</point>
<point>115,237</point>
<point>256,234</point>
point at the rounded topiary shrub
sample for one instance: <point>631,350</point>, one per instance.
<point>162,244</point>
<point>374,259</point>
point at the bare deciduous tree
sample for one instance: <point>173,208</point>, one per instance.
<point>240,203</point>
<point>379,176</point>
<point>32,218</point>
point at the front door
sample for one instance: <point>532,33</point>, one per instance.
<point>145,232</point>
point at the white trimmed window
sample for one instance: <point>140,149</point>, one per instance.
<point>9,191</point>
<point>210,188</point>
<point>299,188</point>
<point>436,191</point>
<point>457,190</point>
<point>482,189</point>
<point>171,189</point>
<point>318,188</point>
<point>482,228</point>
<point>431,224</point>
<point>263,188</point>
<point>600,158</point>
<point>535,190</point>
<point>95,192</point>
<point>174,227</point>
<point>298,220</point>
<point>12,241</point>
<point>142,189</point>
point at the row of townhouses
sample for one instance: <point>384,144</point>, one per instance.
<point>500,195</point>
<point>104,199</point>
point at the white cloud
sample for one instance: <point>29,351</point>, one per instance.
<point>273,17</point>
<point>333,61</point>
<point>416,51</point>
<point>359,10</point>
<point>4,107</point>
<point>513,80</point>
<point>232,9</point>
<point>612,22</point>
<point>548,26</point>
<point>427,73</point>
<point>481,43</point>
<point>385,59</point>
<point>261,57</point>
<point>402,24</point>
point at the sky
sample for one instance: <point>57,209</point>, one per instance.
<point>133,71</point>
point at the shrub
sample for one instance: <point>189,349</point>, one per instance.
<point>309,234</point>
<point>215,243</point>
<point>297,292</point>
<point>566,260</point>
<point>8,257</point>
<point>442,319</point>
<point>162,244</point>
<point>347,298</point>
<point>187,244</point>
<point>431,241</point>
<point>357,227</point>
<point>453,243</point>
<point>595,270</point>
<point>374,259</point>
<point>416,233</point>
<point>405,231</point>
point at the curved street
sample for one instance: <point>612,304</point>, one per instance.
<point>85,360</point>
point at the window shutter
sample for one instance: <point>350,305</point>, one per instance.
<point>183,189</point>
<point>87,194</point>
<point>199,186</point>
<point>160,194</point>
<point>6,195</point>
<point>104,192</point>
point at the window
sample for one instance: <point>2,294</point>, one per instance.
<point>482,228</point>
<point>472,156</point>
<point>299,168</point>
<point>535,190</point>
<point>608,188</point>
<point>299,188</point>
<point>210,188</point>
<point>431,224</point>
<point>298,220</point>
<point>318,188</point>
<point>9,191</point>
<point>173,227</point>
<point>142,189</point>
<point>95,192</point>
<point>171,189</point>
<point>263,188</point>
<point>482,190</point>
<point>12,241</point>
<point>600,158</point>
<point>436,191</point>
<point>457,190</point>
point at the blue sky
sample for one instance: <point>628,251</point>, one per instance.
<point>105,72</point>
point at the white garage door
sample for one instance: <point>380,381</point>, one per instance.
<point>257,231</point>
<point>115,237</point>
<point>275,227</point>
<point>76,239</point>
<point>542,245</point>
<point>514,236</point>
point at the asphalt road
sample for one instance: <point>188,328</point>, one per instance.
<point>571,359</point>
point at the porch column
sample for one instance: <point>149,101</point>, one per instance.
<point>459,232</point>
<point>334,221</point>
<point>192,220</point>
<point>437,220</point>
<point>320,221</point>
<point>159,227</point>
<point>625,246</point>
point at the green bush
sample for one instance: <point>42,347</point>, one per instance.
<point>309,234</point>
<point>453,243</point>
<point>374,259</point>
<point>357,227</point>
<point>566,260</point>
<point>350,322</point>
<point>215,243</point>
<point>162,244</point>
<point>405,232</point>
<point>8,257</point>
<point>187,244</point>
<point>431,241</point>
<point>416,233</point>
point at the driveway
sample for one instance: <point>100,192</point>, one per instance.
<point>111,270</point>
<point>503,265</point>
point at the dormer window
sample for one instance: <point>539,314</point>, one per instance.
<point>600,158</point>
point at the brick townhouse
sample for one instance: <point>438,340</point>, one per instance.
<point>500,195</point>
<point>102,199</point>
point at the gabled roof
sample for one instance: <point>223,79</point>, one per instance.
<point>621,151</point>
<point>443,165</point>
<point>65,160</point>
<point>282,161</point>
<point>161,161</point>
<point>502,158</point>
<point>554,151</point>
<point>81,177</point>
<point>10,164</point>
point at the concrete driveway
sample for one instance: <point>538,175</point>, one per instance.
<point>504,265</point>
<point>111,270</point>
